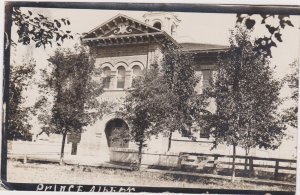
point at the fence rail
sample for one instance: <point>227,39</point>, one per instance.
<point>249,162</point>
<point>46,156</point>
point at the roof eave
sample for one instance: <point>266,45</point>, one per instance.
<point>206,51</point>
<point>172,39</point>
<point>121,36</point>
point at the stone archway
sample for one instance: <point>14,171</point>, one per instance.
<point>98,146</point>
<point>116,131</point>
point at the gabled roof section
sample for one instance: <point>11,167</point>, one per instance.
<point>122,29</point>
<point>120,25</point>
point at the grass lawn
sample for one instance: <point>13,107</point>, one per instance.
<point>53,173</point>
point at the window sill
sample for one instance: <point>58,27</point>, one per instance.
<point>112,90</point>
<point>120,89</point>
<point>200,140</point>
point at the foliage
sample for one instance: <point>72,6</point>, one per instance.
<point>17,113</point>
<point>247,98</point>
<point>264,44</point>
<point>75,84</point>
<point>39,28</point>
<point>292,80</point>
<point>186,104</point>
<point>42,31</point>
<point>143,105</point>
<point>163,100</point>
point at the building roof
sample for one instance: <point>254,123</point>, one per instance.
<point>194,47</point>
<point>122,29</point>
<point>112,24</point>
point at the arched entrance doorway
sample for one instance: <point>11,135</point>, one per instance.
<point>116,131</point>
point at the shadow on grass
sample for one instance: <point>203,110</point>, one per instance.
<point>258,174</point>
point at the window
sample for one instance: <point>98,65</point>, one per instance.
<point>106,80</point>
<point>185,133</point>
<point>207,75</point>
<point>74,149</point>
<point>173,29</point>
<point>121,77</point>
<point>199,85</point>
<point>157,25</point>
<point>204,133</point>
<point>137,71</point>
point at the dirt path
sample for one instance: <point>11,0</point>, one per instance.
<point>53,173</point>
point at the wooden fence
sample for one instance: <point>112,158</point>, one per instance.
<point>200,161</point>
<point>250,163</point>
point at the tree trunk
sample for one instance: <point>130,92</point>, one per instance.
<point>140,154</point>
<point>246,159</point>
<point>62,152</point>
<point>170,140</point>
<point>233,163</point>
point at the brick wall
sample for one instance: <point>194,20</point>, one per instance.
<point>127,54</point>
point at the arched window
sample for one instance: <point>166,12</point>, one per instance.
<point>136,73</point>
<point>157,25</point>
<point>121,77</point>
<point>173,29</point>
<point>106,75</point>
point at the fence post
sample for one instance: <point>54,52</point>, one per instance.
<point>246,164</point>
<point>215,168</point>
<point>251,167</point>
<point>179,161</point>
<point>276,170</point>
<point>25,159</point>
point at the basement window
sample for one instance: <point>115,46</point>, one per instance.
<point>204,133</point>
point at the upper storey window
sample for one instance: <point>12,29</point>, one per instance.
<point>107,76</point>
<point>121,77</point>
<point>173,29</point>
<point>207,76</point>
<point>157,25</point>
<point>136,72</point>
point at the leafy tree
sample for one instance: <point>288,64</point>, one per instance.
<point>18,115</point>
<point>164,100</point>
<point>179,75</point>
<point>144,104</point>
<point>292,80</point>
<point>264,44</point>
<point>75,84</point>
<point>42,31</point>
<point>247,98</point>
<point>39,29</point>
